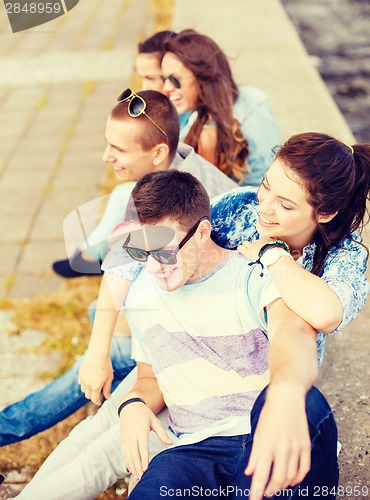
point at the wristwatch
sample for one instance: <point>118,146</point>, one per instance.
<point>271,252</point>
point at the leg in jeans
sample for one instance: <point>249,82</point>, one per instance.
<point>195,470</point>
<point>90,459</point>
<point>83,465</point>
<point>324,473</point>
<point>59,399</point>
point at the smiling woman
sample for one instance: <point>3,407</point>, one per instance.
<point>232,127</point>
<point>313,198</point>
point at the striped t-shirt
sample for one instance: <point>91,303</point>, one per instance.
<point>208,350</point>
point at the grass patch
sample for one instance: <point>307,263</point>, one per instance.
<point>62,315</point>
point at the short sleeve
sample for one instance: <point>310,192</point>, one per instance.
<point>117,262</point>
<point>344,272</point>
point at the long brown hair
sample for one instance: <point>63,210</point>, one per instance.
<point>217,94</point>
<point>336,178</point>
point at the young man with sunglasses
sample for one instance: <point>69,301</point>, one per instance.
<point>142,136</point>
<point>200,339</point>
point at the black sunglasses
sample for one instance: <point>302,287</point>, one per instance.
<point>163,256</point>
<point>136,106</point>
<point>173,80</point>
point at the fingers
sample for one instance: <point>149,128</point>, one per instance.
<point>287,468</point>
<point>94,395</point>
<point>241,249</point>
<point>136,454</point>
<point>106,389</point>
<point>284,470</point>
<point>304,466</point>
<point>161,433</point>
<point>260,477</point>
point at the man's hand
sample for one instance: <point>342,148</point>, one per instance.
<point>136,421</point>
<point>95,378</point>
<point>281,452</point>
<point>250,250</point>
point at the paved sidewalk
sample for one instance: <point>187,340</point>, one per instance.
<point>58,83</point>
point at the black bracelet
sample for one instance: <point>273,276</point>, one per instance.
<point>128,402</point>
<point>275,243</point>
<point>264,248</point>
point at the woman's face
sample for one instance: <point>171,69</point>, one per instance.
<point>283,208</point>
<point>185,97</point>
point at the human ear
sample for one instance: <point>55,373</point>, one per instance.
<point>204,231</point>
<point>161,152</point>
<point>323,219</point>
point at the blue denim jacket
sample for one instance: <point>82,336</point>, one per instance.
<point>253,111</point>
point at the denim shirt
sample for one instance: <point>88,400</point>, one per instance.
<point>253,111</point>
<point>234,217</point>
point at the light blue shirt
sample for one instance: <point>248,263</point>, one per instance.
<point>253,111</point>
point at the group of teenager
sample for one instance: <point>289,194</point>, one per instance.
<point>234,257</point>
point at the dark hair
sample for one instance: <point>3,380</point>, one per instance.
<point>162,111</point>
<point>336,178</point>
<point>217,94</point>
<point>155,42</point>
<point>168,194</point>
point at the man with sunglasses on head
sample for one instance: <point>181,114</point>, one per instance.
<point>198,314</point>
<point>142,136</point>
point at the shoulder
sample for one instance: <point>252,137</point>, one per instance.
<point>239,198</point>
<point>350,252</point>
<point>250,97</point>
<point>200,167</point>
<point>124,187</point>
<point>234,216</point>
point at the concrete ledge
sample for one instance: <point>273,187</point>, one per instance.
<point>266,52</point>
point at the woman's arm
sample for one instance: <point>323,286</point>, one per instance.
<point>307,295</point>
<point>328,302</point>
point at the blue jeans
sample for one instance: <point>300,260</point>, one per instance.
<point>215,467</point>
<point>59,399</point>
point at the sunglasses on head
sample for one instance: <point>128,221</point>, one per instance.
<point>136,106</point>
<point>163,256</point>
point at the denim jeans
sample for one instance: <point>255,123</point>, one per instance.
<point>215,467</point>
<point>90,459</point>
<point>59,399</point>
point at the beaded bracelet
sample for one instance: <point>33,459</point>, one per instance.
<point>127,402</point>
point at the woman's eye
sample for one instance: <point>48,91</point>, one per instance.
<point>285,207</point>
<point>264,184</point>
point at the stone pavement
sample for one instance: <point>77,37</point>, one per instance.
<point>55,81</point>
<point>58,83</point>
